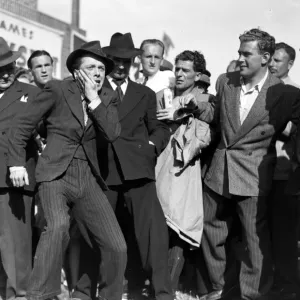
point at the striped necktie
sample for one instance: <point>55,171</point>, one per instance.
<point>85,114</point>
<point>119,91</point>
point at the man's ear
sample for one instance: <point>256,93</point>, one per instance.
<point>266,57</point>
<point>290,64</point>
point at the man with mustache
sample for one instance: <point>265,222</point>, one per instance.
<point>151,60</point>
<point>130,172</point>
<point>15,202</point>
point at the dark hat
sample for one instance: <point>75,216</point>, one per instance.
<point>6,55</point>
<point>166,65</point>
<point>205,79</point>
<point>121,46</point>
<point>93,48</point>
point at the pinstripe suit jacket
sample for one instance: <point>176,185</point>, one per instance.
<point>60,105</point>
<point>244,160</point>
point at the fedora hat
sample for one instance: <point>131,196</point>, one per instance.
<point>121,46</point>
<point>6,55</point>
<point>93,48</point>
<point>205,79</point>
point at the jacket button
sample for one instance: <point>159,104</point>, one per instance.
<point>140,146</point>
<point>250,153</point>
<point>3,132</point>
<point>263,133</point>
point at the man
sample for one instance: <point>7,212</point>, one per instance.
<point>40,63</point>
<point>15,203</point>
<point>190,66</point>
<point>77,113</point>
<point>282,62</point>
<point>129,168</point>
<point>152,58</point>
<point>252,107</point>
<point>283,207</point>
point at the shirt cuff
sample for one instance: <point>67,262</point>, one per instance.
<point>11,169</point>
<point>93,105</point>
<point>151,143</point>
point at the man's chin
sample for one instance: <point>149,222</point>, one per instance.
<point>118,76</point>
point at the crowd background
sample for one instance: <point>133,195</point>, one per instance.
<point>209,26</point>
<point>217,53</point>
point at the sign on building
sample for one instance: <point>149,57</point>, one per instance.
<point>27,36</point>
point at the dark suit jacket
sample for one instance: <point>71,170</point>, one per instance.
<point>244,160</point>
<point>135,156</point>
<point>293,183</point>
<point>11,107</point>
<point>61,107</point>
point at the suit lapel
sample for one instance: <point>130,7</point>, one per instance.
<point>12,94</point>
<point>232,103</point>
<point>73,98</point>
<point>265,100</point>
<point>130,100</point>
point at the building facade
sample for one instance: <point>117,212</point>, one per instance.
<point>26,30</point>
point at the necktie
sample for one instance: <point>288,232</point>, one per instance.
<point>119,91</point>
<point>145,80</point>
<point>85,114</point>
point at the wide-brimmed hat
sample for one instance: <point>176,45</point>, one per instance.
<point>6,55</point>
<point>93,48</point>
<point>121,46</point>
<point>205,79</point>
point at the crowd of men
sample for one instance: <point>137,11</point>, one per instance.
<point>80,159</point>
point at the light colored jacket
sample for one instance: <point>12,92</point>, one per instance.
<point>178,179</point>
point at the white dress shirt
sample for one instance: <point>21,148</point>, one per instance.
<point>160,80</point>
<point>247,98</point>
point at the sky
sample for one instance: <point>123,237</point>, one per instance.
<point>210,26</point>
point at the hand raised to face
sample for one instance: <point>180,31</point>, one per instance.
<point>88,86</point>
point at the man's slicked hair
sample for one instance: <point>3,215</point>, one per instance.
<point>265,42</point>
<point>153,42</point>
<point>37,53</point>
<point>196,57</point>
<point>288,49</point>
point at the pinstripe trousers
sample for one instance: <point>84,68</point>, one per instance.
<point>77,190</point>
<point>256,266</point>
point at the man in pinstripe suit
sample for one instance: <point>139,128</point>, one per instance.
<point>78,114</point>
<point>252,107</point>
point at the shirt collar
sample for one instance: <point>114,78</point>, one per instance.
<point>258,86</point>
<point>110,79</point>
